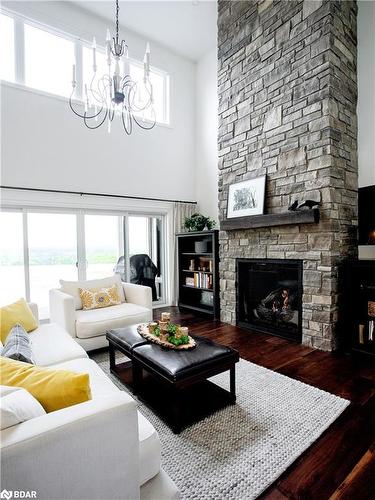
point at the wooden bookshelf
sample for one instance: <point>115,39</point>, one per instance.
<point>198,272</point>
<point>358,306</point>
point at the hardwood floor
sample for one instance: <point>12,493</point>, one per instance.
<point>341,463</point>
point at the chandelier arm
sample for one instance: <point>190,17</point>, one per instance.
<point>97,94</point>
<point>132,104</point>
<point>104,82</point>
<point>111,113</point>
<point>84,116</point>
<point>152,125</point>
<point>99,123</point>
<point>130,122</point>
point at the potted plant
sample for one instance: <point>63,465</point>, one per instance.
<point>198,222</point>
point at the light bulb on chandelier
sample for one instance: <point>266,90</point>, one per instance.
<point>115,93</point>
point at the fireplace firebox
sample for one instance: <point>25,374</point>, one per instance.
<point>269,296</point>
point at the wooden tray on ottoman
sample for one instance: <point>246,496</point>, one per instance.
<point>144,331</point>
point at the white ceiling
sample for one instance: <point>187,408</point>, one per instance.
<point>186,27</point>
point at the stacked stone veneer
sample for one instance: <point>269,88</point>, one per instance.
<point>287,108</point>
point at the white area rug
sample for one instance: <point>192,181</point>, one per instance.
<point>239,451</point>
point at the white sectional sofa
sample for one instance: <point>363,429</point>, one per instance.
<point>88,327</point>
<point>102,449</point>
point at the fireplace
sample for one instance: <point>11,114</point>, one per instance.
<point>269,296</point>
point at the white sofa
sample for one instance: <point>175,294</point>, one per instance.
<point>101,449</point>
<point>88,327</point>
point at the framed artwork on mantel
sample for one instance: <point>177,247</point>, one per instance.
<point>246,198</point>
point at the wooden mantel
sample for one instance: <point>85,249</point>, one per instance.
<point>308,216</point>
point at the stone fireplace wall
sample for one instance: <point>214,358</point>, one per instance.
<point>287,85</point>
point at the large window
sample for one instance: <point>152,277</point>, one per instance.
<point>48,61</point>
<point>7,66</point>
<point>40,248</point>
<point>45,57</point>
<point>12,269</point>
<point>104,244</point>
<point>160,92</point>
<point>52,245</point>
<point>139,236</point>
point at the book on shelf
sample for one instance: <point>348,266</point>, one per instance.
<point>189,281</point>
<point>366,333</point>
<point>371,327</point>
<point>200,280</point>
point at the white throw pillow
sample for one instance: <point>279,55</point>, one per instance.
<point>17,405</point>
<point>72,287</point>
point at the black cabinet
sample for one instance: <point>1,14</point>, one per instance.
<point>359,306</point>
<point>198,272</point>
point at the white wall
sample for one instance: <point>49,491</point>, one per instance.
<point>366,92</point>
<point>206,180</point>
<point>45,146</point>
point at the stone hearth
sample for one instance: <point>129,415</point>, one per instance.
<point>287,108</point>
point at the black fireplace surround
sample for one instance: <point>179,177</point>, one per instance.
<point>269,296</point>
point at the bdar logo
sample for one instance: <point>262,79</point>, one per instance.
<point>6,494</point>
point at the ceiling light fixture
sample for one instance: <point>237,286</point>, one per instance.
<point>115,93</point>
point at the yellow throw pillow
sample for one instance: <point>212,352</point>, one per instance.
<point>95,298</point>
<point>54,389</point>
<point>17,313</point>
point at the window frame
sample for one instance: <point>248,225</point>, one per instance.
<point>6,14</point>
<point>47,29</point>
<point>166,89</point>
<point>81,241</point>
<point>19,50</point>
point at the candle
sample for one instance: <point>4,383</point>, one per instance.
<point>184,330</point>
<point>74,74</point>
<point>163,325</point>
<point>86,99</point>
<point>126,62</point>
<point>108,47</point>
<point>147,55</point>
<point>152,326</point>
<point>144,69</point>
<point>94,54</point>
<point>165,316</point>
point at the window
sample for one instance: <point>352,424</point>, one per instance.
<point>7,66</point>
<point>41,248</point>
<point>160,90</point>
<point>11,257</point>
<point>139,239</point>
<point>145,238</point>
<point>48,61</point>
<point>52,240</point>
<point>87,64</point>
<point>104,244</point>
<point>45,57</point>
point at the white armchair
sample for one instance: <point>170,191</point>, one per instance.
<point>88,327</point>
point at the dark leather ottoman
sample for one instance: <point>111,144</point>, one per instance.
<point>124,340</point>
<point>176,370</point>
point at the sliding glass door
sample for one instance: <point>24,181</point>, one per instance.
<point>52,248</point>
<point>145,244</point>
<point>12,269</point>
<point>40,248</point>
<point>104,244</point>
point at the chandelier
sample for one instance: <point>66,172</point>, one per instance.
<point>115,93</point>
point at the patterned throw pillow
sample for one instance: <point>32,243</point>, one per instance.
<point>95,298</point>
<point>18,345</point>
